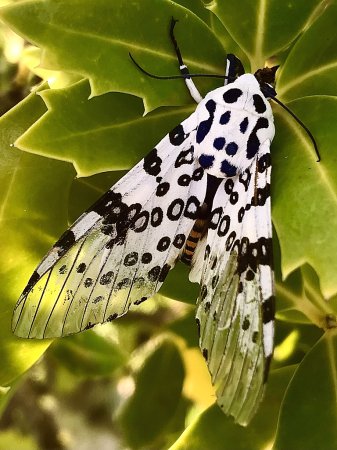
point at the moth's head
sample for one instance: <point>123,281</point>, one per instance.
<point>266,79</point>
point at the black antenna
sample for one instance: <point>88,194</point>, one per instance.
<point>204,75</point>
<point>302,125</point>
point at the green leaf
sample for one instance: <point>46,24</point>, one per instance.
<point>311,67</point>
<point>88,354</point>
<point>94,39</point>
<point>304,192</point>
<point>100,134</point>
<point>308,417</point>
<point>263,28</point>
<point>212,430</point>
<point>32,215</point>
<point>186,328</point>
<point>157,393</point>
<point>198,7</point>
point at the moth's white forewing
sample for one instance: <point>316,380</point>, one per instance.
<point>119,252</point>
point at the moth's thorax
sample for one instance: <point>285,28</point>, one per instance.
<point>234,121</point>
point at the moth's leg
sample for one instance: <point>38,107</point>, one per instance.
<point>195,94</point>
<point>234,68</point>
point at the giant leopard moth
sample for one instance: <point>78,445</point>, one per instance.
<point>202,196</point>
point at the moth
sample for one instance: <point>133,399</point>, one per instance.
<point>201,196</point>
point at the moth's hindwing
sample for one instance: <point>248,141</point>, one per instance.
<point>235,308</point>
<point>120,251</point>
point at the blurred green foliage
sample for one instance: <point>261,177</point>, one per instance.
<point>140,381</point>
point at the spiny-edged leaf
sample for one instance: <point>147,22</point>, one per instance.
<point>308,417</point>
<point>304,192</point>
<point>31,219</point>
<point>157,393</point>
<point>212,430</point>
<point>31,58</point>
<point>94,39</point>
<point>88,354</point>
<point>262,28</point>
<point>103,133</point>
<point>311,67</point>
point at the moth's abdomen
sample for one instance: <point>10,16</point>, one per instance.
<point>192,241</point>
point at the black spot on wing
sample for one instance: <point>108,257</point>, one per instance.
<point>154,273</point>
<point>185,157</point>
<point>106,278</point>
<point>224,226</point>
<point>81,268</point>
<point>228,168</point>
<point>164,272</point>
<point>175,209</point>
<point>268,310</point>
<point>205,126</point>
<point>163,244</point>
<point>162,189</point>
<point>229,185</point>
<point>63,269</point>
<point>253,143</point>
<point>244,125</point>
<point>219,143</point>
<point>112,317</point>
<point>88,282</point>
<point>261,196</point>
<point>264,162</point>
<point>66,241</point>
<point>206,161</point>
<point>146,258</point>
<point>179,240</point>
<point>141,222</point>
<point>246,323</point>
<point>192,207</point>
<point>156,216</point>
<point>224,119</point>
<point>231,148</point>
<point>198,174</point>
<point>259,104</point>
<point>215,218</point>
<point>232,95</point>
<point>131,259</point>
<point>31,283</point>
<point>230,240</point>
<point>244,178</point>
<point>177,135</point>
<point>184,180</point>
<point>152,163</point>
